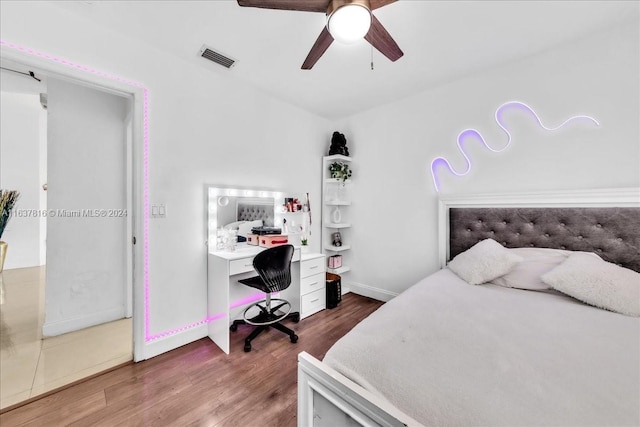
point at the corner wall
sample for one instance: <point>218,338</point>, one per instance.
<point>393,145</point>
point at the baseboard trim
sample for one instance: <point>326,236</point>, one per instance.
<point>371,292</point>
<point>171,342</point>
<point>53,329</point>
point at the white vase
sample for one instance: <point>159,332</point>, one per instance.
<point>336,216</point>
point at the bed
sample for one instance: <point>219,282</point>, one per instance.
<point>447,352</point>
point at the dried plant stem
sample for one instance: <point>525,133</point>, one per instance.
<point>8,199</point>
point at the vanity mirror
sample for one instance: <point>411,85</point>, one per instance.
<point>241,208</point>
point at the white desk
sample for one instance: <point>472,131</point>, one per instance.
<point>227,299</point>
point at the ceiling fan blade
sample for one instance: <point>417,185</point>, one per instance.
<point>319,48</point>
<point>382,40</point>
<point>377,4</point>
<point>301,5</point>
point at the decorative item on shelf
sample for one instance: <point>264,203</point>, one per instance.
<point>8,199</point>
<point>227,239</point>
<point>292,204</point>
<point>340,170</point>
<point>337,239</point>
<point>252,239</point>
<point>271,240</point>
<point>307,209</point>
<point>230,240</point>
<point>220,238</point>
<point>336,215</point>
<point>304,243</point>
<point>335,261</point>
<point>338,145</point>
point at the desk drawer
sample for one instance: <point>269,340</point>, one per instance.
<point>311,267</point>
<point>312,283</point>
<point>313,302</point>
<point>238,266</point>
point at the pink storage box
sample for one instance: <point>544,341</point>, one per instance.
<point>271,240</point>
<point>335,261</point>
<point>252,239</point>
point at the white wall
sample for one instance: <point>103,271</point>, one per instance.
<point>86,254</point>
<point>392,146</point>
<point>22,126</point>
<point>205,128</point>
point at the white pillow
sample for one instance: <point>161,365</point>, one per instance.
<point>245,228</point>
<point>536,262</point>
<point>233,225</point>
<point>596,282</point>
<point>483,262</point>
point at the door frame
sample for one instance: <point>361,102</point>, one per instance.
<point>137,227</point>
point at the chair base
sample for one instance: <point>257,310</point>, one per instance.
<point>259,329</point>
<point>268,314</point>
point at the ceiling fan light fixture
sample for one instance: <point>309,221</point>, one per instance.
<point>349,22</point>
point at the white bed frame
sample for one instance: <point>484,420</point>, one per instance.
<point>327,398</point>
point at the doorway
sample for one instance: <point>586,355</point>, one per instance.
<point>87,218</point>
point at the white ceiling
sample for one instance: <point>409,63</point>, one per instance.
<point>442,41</point>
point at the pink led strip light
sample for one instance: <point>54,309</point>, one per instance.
<point>208,319</point>
<point>441,161</point>
<point>145,179</point>
<point>145,193</point>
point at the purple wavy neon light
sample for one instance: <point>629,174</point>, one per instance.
<point>473,133</point>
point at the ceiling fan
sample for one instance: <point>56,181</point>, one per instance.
<point>347,21</point>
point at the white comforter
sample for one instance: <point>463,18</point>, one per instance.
<point>449,353</point>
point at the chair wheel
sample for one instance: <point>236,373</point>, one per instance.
<point>247,348</point>
<point>233,327</point>
<point>296,319</point>
<point>294,339</point>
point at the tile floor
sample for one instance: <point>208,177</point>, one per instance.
<point>30,364</point>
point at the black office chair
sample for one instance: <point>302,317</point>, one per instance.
<point>274,268</point>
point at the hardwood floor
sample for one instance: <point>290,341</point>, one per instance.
<point>198,385</point>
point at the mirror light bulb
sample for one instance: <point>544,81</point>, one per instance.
<point>349,23</point>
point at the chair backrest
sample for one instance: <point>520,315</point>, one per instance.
<point>274,267</point>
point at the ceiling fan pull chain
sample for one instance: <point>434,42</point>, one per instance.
<point>371,57</point>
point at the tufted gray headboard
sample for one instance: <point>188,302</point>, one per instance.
<point>612,233</point>
<point>255,210</point>
<point>606,222</point>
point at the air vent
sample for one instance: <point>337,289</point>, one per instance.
<point>217,57</point>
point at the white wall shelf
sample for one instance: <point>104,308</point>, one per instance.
<point>340,270</point>
<point>340,225</point>
<point>336,211</point>
<point>337,180</point>
<point>332,248</point>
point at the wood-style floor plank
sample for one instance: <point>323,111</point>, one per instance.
<point>199,385</point>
